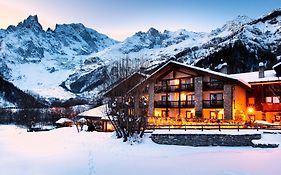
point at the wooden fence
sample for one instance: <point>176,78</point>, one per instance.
<point>213,127</point>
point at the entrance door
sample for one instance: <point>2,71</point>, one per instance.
<point>189,115</point>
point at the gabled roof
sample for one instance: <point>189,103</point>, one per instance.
<point>99,111</point>
<point>200,71</point>
<point>207,71</point>
<point>125,85</point>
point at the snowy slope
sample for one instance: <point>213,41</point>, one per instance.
<point>4,103</point>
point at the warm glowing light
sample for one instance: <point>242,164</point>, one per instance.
<point>221,111</point>
<point>156,113</point>
<point>193,111</point>
<point>177,81</point>
<point>251,110</point>
<point>183,96</point>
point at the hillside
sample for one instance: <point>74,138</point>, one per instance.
<point>241,43</point>
<point>74,61</point>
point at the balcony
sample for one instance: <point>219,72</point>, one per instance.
<point>271,107</point>
<point>166,104</point>
<point>174,104</point>
<point>168,88</point>
<point>212,85</point>
<point>159,89</point>
<point>212,103</point>
<point>187,87</point>
<point>174,88</point>
<point>187,104</point>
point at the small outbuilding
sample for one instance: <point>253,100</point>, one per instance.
<point>97,119</point>
<point>64,122</point>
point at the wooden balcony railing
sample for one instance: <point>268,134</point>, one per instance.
<point>174,104</point>
<point>187,104</point>
<point>212,85</point>
<point>174,88</point>
<point>187,87</point>
<point>166,104</point>
<point>212,103</point>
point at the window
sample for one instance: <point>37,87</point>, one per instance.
<point>272,100</point>
<point>189,115</point>
<point>165,98</point>
<point>165,82</point>
<point>213,80</point>
<point>187,81</point>
<point>164,113</point>
<point>251,101</point>
<point>190,97</point>
<point>213,115</point>
<point>277,118</point>
<point>216,97</point>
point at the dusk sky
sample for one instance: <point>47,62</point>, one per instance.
<point>122,18</point>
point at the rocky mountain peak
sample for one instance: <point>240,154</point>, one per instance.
<point>271,17</point>
<point>31,22</point>
<point>153,32</point>
<point>231,26</point>
<point>69,28</point>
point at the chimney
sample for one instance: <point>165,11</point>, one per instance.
<point>142,69</point>
<point>261,70</point>
<point>223,68</point>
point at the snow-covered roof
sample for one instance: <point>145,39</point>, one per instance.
<point>99,111</point>
<point>195,68</point>
<point>206,71</point>
<point>253,77</point>
<point>276,65</point>
<point>82,120</point>
<point>64,120</point>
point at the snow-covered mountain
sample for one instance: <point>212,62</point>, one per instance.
<point>39,61</point>
<point>241,43</point>
<point>84,61</point>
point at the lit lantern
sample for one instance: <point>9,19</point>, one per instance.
<point>251,110</point>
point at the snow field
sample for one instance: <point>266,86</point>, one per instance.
<point>64,151</point>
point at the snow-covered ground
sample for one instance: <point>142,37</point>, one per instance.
<point>64,151</point>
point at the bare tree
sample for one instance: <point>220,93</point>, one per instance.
<point>124,118</point>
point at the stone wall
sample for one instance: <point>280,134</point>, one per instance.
<point>198,95</point>
<point>205,139</point>
<point>227,96</point>
<point>151,95</point>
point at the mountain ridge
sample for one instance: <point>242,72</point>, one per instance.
<point>82,61</point>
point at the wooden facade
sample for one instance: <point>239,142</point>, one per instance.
<point>265,99</point>
<point>180,94</point>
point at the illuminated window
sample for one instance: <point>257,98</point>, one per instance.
<point>190,97</point>
<point>165,113</point>
<point>251,101</point>
<point>165,98</point>
<point>272,100</point>
<point>189,114</point>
